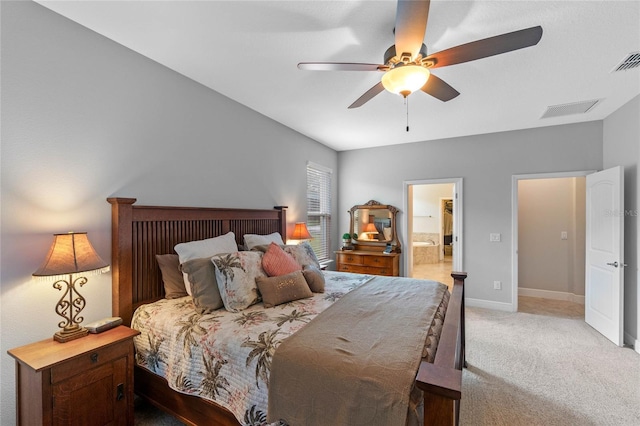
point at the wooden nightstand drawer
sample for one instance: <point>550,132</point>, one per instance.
<point>88,360</point>
<point>378,261</point>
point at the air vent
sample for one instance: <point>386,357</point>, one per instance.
<point>631,61</point>
<point>568,109</point>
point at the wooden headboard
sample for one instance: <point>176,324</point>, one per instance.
<point>138,233</point>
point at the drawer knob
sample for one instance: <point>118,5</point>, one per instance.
<point>94,357</point>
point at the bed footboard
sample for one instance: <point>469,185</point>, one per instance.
<point>441,381</point>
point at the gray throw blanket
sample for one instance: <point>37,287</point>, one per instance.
<point>356,362</point>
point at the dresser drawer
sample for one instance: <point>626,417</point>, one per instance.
<point>88,360</point>
<point>351,259</point>
<point>377,271</point>
<point>378,261</point>
<point>355,269</point>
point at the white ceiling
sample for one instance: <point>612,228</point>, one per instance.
<point>248,51</point>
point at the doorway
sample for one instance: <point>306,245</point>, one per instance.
<point>433,226</point>
<point>548,218</point>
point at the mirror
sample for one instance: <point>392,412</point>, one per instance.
<point>375,226</point>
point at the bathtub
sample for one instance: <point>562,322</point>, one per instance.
<point>425,252</point>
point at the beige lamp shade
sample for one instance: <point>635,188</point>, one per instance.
<point>69,254</point>
<point>300,232</point>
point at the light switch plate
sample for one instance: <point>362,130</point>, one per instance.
<point>563,235</point>
<point>494,237</point>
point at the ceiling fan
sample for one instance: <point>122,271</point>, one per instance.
<point>407,64</point>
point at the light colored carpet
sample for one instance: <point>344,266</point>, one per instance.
<point>546,366</point>
<point>541,366</point>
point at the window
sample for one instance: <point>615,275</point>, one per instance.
<point>319,209</point>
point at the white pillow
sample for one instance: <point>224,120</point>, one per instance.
<point>204,248</point>
<point>252,240</point>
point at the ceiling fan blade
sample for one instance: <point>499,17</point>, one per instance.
<point>487,47</point>
<point>368,95</point>
<point>411,24</point>
<point>439,89</point>
<point>338,66</point>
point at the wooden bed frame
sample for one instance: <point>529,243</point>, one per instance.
<point>141,232</point>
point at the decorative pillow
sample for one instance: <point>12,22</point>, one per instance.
<point>276,262</point>
<point>204,288</point>
<point>205,248</point>
<point>251,240</point>
<point>303,254</point>
<point>236,274</point>
<point>171,277</point>
<point>314,278</point>
<point>283,289</point>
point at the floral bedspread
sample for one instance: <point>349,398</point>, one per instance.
<point>224,356</point>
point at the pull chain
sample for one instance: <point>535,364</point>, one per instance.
<point>406,102</point>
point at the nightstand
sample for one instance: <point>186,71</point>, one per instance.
<point>87,381</point>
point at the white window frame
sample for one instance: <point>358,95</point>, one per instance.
<point>319,215</point>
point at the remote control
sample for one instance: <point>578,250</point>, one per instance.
<point>103,324</point>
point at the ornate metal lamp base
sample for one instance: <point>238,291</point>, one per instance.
<point>65,336</point>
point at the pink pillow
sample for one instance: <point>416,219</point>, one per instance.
<point>277,262</point>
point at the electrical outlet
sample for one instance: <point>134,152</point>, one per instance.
<point>494,238</point>
<point>497,285</point>
<point>563,235</point>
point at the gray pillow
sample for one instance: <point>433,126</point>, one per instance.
<point>283,289</point>
<point>314,278</point>
<point>171,276</point>
<point>204,287</point>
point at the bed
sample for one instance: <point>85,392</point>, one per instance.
<point>141,232</point>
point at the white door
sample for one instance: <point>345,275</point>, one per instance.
<point>604,276</point>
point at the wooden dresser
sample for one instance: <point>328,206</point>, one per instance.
<point>87,381</point>
<point>368,262</point>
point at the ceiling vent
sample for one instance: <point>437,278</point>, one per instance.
<point>568,109</point>
<point>631,61</point>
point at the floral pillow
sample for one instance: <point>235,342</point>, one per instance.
<point>236,275</point>
<point>303,254</point>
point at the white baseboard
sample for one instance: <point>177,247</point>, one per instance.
<point>632,341</point>
<point>488,304</point>
<point>548,294</point>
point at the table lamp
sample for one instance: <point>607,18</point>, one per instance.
<point>300,232</point>
<point>70,254</point>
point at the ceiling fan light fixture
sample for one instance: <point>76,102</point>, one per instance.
<point>404,80</point>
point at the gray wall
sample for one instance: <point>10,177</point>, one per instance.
<point>621,137</point>
<point>546,208</point>
<point>486,163</point>
<point>84,118</point>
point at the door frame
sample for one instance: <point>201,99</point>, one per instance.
<point>514,221</point>
<point>457,220</point>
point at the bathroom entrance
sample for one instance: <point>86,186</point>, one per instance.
<point>432,223</point>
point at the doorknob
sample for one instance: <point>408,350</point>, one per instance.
<point>614,264</point>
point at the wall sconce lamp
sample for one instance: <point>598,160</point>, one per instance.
<point>300,232</point>
<point>70,254</point>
